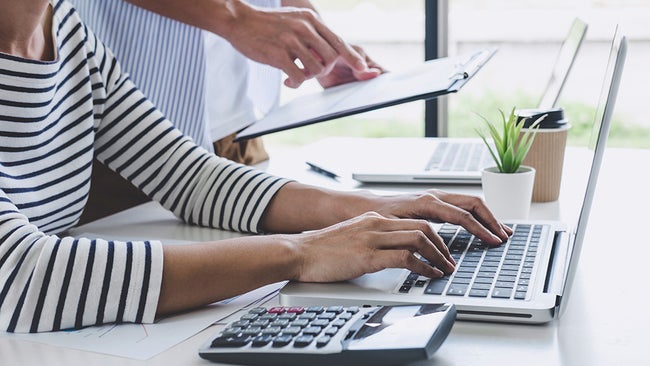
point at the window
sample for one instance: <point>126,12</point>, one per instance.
<point>528,34</point>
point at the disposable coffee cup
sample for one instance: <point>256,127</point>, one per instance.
<point>546,154</point>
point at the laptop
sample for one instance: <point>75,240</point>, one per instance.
<point>525,280</point>
<point>432,160</point>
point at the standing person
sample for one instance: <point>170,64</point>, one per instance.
<point>213,67</point>
<point>64,100</point>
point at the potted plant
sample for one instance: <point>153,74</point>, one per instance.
<point>508,186</point>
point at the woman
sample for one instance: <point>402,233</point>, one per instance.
<point>64,99</point>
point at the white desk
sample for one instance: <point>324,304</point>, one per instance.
<point>606,322</point>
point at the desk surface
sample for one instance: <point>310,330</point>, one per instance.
<point>607,317</point>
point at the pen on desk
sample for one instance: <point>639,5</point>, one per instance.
<point>322,171</point>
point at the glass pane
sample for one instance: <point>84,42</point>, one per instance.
<point>529,34</point>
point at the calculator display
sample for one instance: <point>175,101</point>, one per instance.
<point>412,323</point>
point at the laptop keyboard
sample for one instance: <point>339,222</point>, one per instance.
<point>498,272</point>
<point>459,157</point>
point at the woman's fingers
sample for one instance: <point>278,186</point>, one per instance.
<point>402,258</point>
<point>477,207</point>
<point>369,243</point>
<point>411,234</point>
<point>415,241</point>
<point>468,211</point>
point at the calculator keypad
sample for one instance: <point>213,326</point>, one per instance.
<point>281,326</point>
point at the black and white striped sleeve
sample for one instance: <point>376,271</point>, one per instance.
<point>51,283</point>
<point>134,139</point>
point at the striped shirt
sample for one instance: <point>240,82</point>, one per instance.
<point>196,78</point>
<point>169,69</point>
<point>54,117</point>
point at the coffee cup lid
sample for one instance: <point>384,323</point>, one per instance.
<point>554,117</point>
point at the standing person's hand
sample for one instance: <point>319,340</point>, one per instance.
<point>342,73</point>
<point>282,37</point>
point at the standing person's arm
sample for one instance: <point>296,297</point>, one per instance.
<point>276,37</point>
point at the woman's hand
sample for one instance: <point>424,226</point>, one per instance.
<point>369,243</point>
<point>470,212</point>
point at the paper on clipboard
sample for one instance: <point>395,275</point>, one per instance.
<point>425,81</point>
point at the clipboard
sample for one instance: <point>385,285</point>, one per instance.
<point>426,81</point>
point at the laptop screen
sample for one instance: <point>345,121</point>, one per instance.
<point>563,65</point>
<point>597,147</point>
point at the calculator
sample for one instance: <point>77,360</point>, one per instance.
<point>332,335</point>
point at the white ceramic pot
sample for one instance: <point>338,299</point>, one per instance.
<point>508,195</point>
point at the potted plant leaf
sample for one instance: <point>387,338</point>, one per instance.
<point>508,186</point>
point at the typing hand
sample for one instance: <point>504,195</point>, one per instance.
<point>440,206</point>
<point>369,243</point>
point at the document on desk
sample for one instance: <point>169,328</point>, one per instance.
<point>425,81</point>
<point>143,341</point>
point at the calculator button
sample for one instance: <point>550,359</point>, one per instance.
<point>300,323</point>
<point>323,341</point>
<point>252,331</point>
<point>262,340</point>
<point>303,341</point>
<point>272,330</point>
<point>269,316</point>
<point>240,323</point>
<point>277,310</point>
<point>280,323</point>
<point>320,323</point>
<point>249,316</point>
<point>331,331</point>
<point>315,309</point>
<point>258,311</point>
<point>338,322</point>
<point>260,323</point>
<point>311,330</point>
<point>282,340</point>
<point>296,310</point>
<point>327,315</point>
<point>352,309</point>
<point>308,316</point>
<point>231,332</point>
<point>292,331</point>
<point>345,316</point>
<point>231,341</point>
<point>288,316</point>
<point>335,309</point>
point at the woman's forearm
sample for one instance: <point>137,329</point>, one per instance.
<point>200,274</point>
<point>297,207</point>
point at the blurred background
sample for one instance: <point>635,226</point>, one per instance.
<point>528,34</point>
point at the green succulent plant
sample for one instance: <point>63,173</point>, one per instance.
<point>510,144</point>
